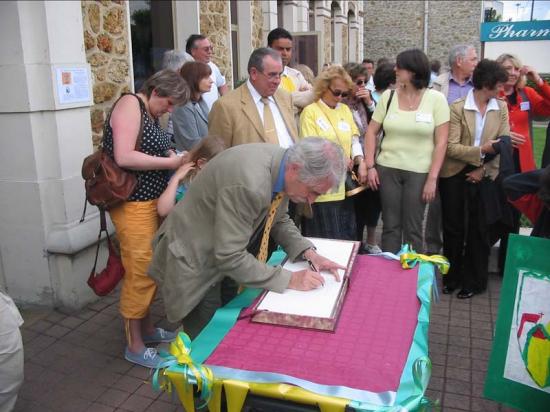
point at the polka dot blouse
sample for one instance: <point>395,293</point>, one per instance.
<point>155,142</point>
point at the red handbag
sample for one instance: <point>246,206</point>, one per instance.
<point>104,282</point>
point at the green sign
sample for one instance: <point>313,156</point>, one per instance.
<point>515,31</point>
<point>519,367</point>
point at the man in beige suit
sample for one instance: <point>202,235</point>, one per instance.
<point>210,233</point>
<point>257,111</point>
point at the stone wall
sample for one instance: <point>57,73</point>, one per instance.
<point>106,42</point>
<point>451,23</point>
<point>214,23</point>
<point>257,25</point>
<point>393,26</point>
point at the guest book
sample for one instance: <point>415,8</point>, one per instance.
<point>313,309</point>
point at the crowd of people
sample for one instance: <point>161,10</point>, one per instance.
<point>229,170</point>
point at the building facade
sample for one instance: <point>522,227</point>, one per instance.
<point>62,66</point>
<point>433,26</point>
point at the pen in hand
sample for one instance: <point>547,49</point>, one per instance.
<point>314,269</point>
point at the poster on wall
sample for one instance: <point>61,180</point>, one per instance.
<point>519,367</point>
<point>73,85</point>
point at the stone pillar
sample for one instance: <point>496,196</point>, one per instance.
<point>45,254</point>
<point>322,25</point>
<point>244,16</point>
<point>295,15</point>
<point>360,31</point>
<point>290,15</point>
<point>186,21</point>
<point>269,9</point>
<point>340,21</point>
<point>352,38</point>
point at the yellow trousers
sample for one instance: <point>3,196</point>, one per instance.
<point>136,224</point>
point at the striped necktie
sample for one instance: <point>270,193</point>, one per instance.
<point>262,254</point>
<point>269,123</point>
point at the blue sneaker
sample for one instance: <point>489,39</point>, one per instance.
<point>148,358</point>
<point>160,336</point>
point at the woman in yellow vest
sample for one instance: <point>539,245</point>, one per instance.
<point>327,117</point>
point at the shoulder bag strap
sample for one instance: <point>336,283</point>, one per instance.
<point>139,138</point>
<point>392,92</point>
<point>102,228</point>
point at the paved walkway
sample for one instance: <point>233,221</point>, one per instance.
<point>74,361</point>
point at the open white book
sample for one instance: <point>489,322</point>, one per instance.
<point>317,308</point>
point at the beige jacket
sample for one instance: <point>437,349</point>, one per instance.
<point>234,117</point>
<point>460,146</point>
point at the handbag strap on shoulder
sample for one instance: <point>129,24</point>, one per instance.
<point>143,112</point>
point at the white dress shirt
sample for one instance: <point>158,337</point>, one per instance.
<point>285,140</point>
<point>470,104</point>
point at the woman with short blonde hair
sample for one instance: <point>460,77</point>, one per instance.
<point>329,118</point>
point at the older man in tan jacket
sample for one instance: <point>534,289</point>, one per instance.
<point>258,111</point>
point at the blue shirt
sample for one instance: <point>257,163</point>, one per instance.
<point>280,182</point>
<point>457,90</point>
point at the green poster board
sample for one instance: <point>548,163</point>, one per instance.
<point>519,367</point>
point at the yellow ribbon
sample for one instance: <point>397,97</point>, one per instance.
<point>184,373</point>
<point>410,259</point>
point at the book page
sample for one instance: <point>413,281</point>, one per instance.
<point>318,302</point>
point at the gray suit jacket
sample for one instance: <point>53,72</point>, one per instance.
<point>190,124</point>
<point>206,235</point>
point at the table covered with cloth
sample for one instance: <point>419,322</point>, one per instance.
<point>375,360</point>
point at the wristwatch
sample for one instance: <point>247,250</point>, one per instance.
<point>304,252</point>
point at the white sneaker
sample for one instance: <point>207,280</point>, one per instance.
<point>372,249</point>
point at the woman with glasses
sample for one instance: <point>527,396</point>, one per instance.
<point>416,124</point>
<point>327,117</point>
<point>367,203</point>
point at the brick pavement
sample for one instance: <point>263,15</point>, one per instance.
<point>74,361</point>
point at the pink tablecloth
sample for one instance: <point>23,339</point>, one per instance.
<point>368,349</point>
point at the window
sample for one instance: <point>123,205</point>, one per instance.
<point>152,34</point>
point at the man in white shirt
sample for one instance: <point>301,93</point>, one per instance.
<point>292,80</point>
<point>257,111</point>
<point>369,65</point>
<point>201,49</point>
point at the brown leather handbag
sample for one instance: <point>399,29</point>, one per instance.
<point>107,184</point>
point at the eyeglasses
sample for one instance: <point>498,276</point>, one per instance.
<point>338,93</point>
<point>360,82</point>
<point>271,76</point>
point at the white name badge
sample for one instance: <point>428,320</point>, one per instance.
<point>323,124</point>
<point>524,106</point>
<point>424,118</point>
<point>343,126</point>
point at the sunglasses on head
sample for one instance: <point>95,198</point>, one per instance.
<point>338,93</point>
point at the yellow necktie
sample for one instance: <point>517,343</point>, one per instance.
<point>269,123</point>
<point>287,83</point>
<point>262,254</point>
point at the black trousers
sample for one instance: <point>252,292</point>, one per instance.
<point>465,234</point>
